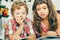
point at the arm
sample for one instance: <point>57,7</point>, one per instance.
<point>58,29</point>
<point>13,37</point>
<point>51,33</point>
<point>16,34</point>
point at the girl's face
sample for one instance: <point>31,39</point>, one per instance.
<point>42,10</point>
<point>20,14</point>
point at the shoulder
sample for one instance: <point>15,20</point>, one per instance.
<point>58,19</point>
<point>58,15</point>
<point>12,21</point>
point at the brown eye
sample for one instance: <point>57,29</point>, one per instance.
<point>44,8</point>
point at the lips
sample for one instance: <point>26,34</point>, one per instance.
<point>42,14</point>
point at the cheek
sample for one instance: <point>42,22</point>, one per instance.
<point>38,12</point>
<point>47,12</point>
<point>24,16</point>
<point>16,17</point>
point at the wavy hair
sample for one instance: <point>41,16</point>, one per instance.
<point>52,19</point>
<point>17,4</point>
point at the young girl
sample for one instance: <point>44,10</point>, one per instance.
<point>46,20</point>
<point>20,26</point>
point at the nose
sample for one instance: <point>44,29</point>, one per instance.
<point>20,14</point>
<point>41,10</point>
<point>21,17</point>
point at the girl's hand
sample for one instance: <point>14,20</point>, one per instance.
<point>21,23</point>
<point>58,32</point>
<point>16,37</point>
<point>51,33</point>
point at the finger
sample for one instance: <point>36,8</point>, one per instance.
<point>59,33</point>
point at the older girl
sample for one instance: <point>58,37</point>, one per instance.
<point>46,20</point>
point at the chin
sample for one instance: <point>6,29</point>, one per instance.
<point>42,17</point>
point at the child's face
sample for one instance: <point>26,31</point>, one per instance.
<point>20,14</point>
<point>42,10</point>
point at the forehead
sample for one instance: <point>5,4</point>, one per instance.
<point>21,9</point>
<point>41,5</point>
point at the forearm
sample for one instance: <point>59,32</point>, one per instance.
<point>51,33</point>
<point>18,31</point>
<point>58,31</point>
<point>13,37</point>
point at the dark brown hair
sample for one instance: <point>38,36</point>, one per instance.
<point>51,16</point>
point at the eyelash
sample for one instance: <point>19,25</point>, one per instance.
<point>23,13</point>
<point>40,9</point>
<point>44,8</point>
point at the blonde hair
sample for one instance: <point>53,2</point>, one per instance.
<point>16,5</point>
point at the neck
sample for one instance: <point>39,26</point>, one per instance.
<point>46,22</point>
<point>45,19</point>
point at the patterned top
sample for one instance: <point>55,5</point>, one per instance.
<point>27,30</point>
<point>44,29</point>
